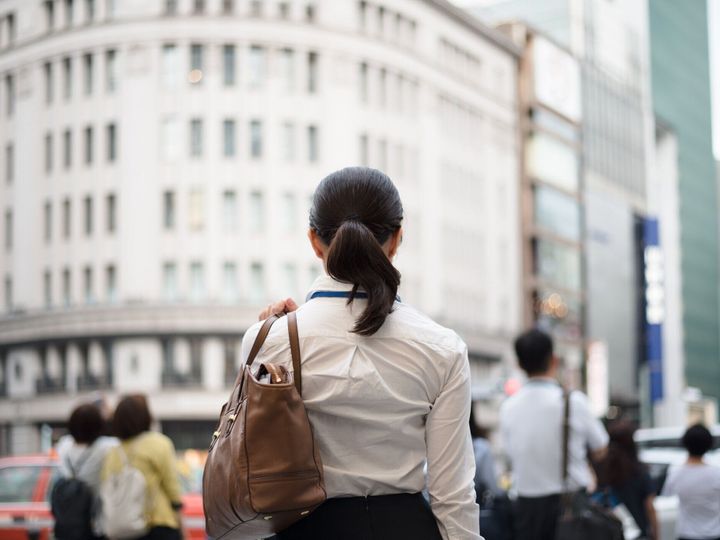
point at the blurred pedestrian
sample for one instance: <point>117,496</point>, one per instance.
<point>144,465</point>
<point>81,453</point>
<point>531,427</point>
<point>386,389</point>
<point>697,485</point>
<point>485,472</point>
<point>623,480</point>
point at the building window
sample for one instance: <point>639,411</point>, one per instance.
<point>364,150</point>
<point>88,285</point>
<point>257,66</point>
<point>289,213</point>
<point>67,288</point>
<point>170,281</point>
<point>47,288</point>
<point>312,72</point>
<point>49,6</point>
<point>67,148</point>
<point>171,7</point>
<point>362,15</point>
<point>67,218</point>
<point>67,78</point>
<point>168,210</point>
<point>288,138</point>
<point>197,281</point>
<point>198,7</point>
<point>111,283</point>
<point>228,138</point>
<point>88,205</point>
<point>382,88</point>
<point>364,83</point>
<point>228,7</point>
<point>9,163</point>
<point>171,71</point>
<point>111,77</point>
<point>48,152</point>
<point>49,82</point>
<point>88,145</point>
<point>256,139</point>
<point>171,139</point>
<point>89,11</point>
<point>196,63</point>
<point>197,210</point>
<point>110,8</point>
<point>310,13</point>
<point>111,215</point>
<point>8,230</point>
<point>256,8</point>
<point>196,137</point>
<point>48,221</point>
<point>11,29</point>
<point>284,10</point>
<point>313,145</point>
<point>8,294</point>
<point>111,142</point>
<point>257,212</point>
<point>257,283</point>
<point>382,154</point>
<point>290,279</point>
<point>230,212</point>
<point>229,65</point>
<point>230,285</point>
<point>287,69</point>
<point>9,94</point>
<point>88,73</point>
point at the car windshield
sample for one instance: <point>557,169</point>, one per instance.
<point>17,483</point>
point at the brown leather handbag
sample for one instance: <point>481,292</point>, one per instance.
<point>263,471</point>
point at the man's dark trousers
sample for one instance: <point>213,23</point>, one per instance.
<point>536,517</point>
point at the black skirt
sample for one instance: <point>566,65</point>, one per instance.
<point>387,517</point>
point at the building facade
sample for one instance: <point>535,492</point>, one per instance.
<point>157,163</point>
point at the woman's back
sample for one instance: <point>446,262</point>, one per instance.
<point>381,404</point>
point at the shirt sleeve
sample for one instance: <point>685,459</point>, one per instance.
<point>451,463</point>
<point>595,433</point>
<point>168,473</point>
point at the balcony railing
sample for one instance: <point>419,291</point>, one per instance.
<point>173,379</point>
<point>47,385</point>
<point>87,382</point>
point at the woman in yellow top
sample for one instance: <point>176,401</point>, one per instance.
<point>153,454</point>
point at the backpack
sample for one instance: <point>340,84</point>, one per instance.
<point>124,501</point>
<point>72,503</point>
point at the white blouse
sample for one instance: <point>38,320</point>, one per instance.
<point>384,406</point>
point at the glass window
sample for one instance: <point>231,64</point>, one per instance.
<point>47,288</point>
<point>170,281</point>
<point>88,73</point>
<point>229,61</point>
<point>171,140</point>
<point>8,229</point>
<point>88,285</point>
<point>558,264</point>
<point>362,15</point>
<point>289,213</point>
<point>111,142</point>
<point>382,154</point>
<point>312,72</point>
<point>230,212</point>
<point>228,7</point>
<point>257,212</point>
<point>17,483</point>
<point>197,210</point>
<point>9,163</point>
<point>171,7</point>
<point>111,77</point>
<point>49,15</point>
<point>111,283</point>
<point>88,145</point>
<point>67,218</point>
<point>256,139</point>
<point>111,203</point>
<point>363,82</point>
<point>67,78</point>
<point>284,10</point>
<point>8,293</point>
<point>557,212</point>
<point>67,149</point>
<point>287,69</point>
<point>11,28</point>
<point>228,137</point>
<point>256,8</point>
<point>88,216</point>
<point>198,7</point>
<point>9,94</point>
<point>288,141</point>
<point>290,279</point>
<point>48,152</point>
<point>313,145</point>
<point>171,71</point>
<point>197,281</point>
<point>49,82</point>
<point>382,88</point>
<point>257,66</point>
<point>168,210</point>
<point>196,137</point>
<point>197,53</point>
<point>110,8</point>
<point>257,282</point>
<point>310,13</point>
<point>67,287</point>
<point>552,161</point>
<point>48,221</point>
<point>364,150</point>
<point>89,11</point>
<point>230,285</point>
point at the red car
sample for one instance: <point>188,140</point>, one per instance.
<point>25,486</point>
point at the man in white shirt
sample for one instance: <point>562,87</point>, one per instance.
<point>531,429</point>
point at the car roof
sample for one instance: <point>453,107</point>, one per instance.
<point>675,432</point>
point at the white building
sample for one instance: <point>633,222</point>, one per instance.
<point>157,161</point>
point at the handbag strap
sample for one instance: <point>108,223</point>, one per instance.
<point>294,345</point>
<point>566,439</point>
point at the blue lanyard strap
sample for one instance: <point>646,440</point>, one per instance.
<point>341,294</point>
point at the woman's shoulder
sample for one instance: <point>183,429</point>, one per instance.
<point>407,321</point>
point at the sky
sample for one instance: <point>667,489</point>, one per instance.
<point>714,33</point>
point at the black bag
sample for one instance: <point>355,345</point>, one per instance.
<point>496,517</point>
<point>580,518</point>
<point>72,503</point>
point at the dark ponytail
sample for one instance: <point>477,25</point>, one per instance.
<point>355,211</point>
